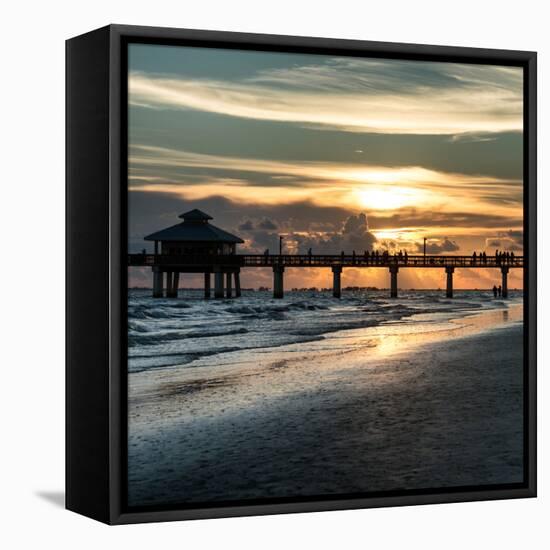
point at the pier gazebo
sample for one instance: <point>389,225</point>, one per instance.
<point>194,237</point>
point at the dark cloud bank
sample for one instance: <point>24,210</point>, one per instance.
<point>324,229</point>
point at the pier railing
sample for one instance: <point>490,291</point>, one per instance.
<point>325,260</point>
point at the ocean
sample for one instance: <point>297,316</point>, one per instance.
<point>185,331</point>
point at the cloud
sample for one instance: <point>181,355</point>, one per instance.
<point>350,185</point>
<point>355,95</point>
<point>422,218</point>
<point>246,226</point>
<point>353,235</point>
<point>438,246</point>
<point>267,225</point>
<point>154,210</point>
<point>510,240</point>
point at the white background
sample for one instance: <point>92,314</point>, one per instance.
<point>32,273</point>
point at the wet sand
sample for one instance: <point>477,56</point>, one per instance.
<point>410,406</point>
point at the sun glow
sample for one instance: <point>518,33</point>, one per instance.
<point>388,198</point>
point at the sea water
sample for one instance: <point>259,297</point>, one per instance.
<point>179,332</point>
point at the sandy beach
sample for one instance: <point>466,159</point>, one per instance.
<point>396,406</point>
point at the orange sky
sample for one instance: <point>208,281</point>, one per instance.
<point>303,145</point>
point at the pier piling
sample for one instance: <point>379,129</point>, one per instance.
<point>278,282</point>
<point>168,284</point>
<point>207,285</point>
<point>393,276</point>
<point>175,284</point>
<point>337,281</point>
<point>449,270</point>
<point>228,287</point>
<point>504,270</point>
<point>218,284</point>
<point>157,283</point>
<point>237,284</point>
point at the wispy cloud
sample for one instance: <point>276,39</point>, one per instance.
<point>353,95</point>
<point>349,185</point>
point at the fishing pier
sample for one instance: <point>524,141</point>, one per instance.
<point>196,246</point>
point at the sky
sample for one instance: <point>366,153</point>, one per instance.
<point>334,153</point>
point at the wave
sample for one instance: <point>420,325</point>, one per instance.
<point>170,359</point>
<point>159,338</point>
<point>165,333</point>
<point>178,359</point>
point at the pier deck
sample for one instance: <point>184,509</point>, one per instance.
<point>230,266</point>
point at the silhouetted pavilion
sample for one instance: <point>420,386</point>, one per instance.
<point>196,237</point>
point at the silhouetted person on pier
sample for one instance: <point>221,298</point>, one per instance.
<point>512,257</point>
<point>499,290</point>
<point>377,256</point>
<point>353,257</point>
<point>495,290</point>
<point>484,258</point>
<point>474,258</point>
<point>366,256</point>
<point>342,255</point>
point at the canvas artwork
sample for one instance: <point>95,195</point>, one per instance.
<point>326,279</point>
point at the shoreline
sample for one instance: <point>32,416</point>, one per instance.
<point>340,322</point>
<point>392,411</point>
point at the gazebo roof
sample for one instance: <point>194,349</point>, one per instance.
<point>195,215</point>
<point>194,228</point>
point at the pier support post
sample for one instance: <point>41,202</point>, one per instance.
<point>168,284</point>
<point>228,288</point>
<point>337,281</point>
<point>237,284</point>
<point>206,286</point>
<point>175,284</point>
<point>278,284</point>
<point>157,283</point>
<point>504,270</point>
<point>393,281</point>
<point>218,284</point>
<point>449,270</point>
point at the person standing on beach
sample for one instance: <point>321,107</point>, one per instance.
<point>495,290</point>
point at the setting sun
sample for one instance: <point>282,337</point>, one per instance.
<point>388,198</point>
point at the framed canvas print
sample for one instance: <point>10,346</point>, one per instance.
<point>301,274</point>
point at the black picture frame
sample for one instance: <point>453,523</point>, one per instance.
<point>96,260</point>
